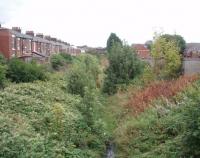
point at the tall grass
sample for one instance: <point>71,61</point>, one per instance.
<point>141,100</point>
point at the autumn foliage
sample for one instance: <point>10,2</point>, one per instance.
<point>159,89</point>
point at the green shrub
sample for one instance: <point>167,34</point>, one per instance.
<point>191,137</point>
<point>78,79</point>
<point>67,57</point>
<point>59,60</point>
<point>112,40</point>
<point>41,120</point>
<point>2,75</point>
<point>170,128</point>
<point>19,71</point>
<point>84,73</point>
<point>167,59</point>
<point>123,67</point>
<point>2,59</point>
<point>56,61</point>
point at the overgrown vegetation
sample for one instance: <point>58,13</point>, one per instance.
<point>84,74</point>
<point>69,116</point>
<point>2,75</point>
<point>167,60</point>
<point>59,60</point>
<point>41,120</point>
<point>123,67</point>
<point>159,89</point>
<point>167,129</point>
<point>19,71</point>
<point>179,40</point>
<point>3,69</point>
<point>113,39</point>
<point>2,59</point>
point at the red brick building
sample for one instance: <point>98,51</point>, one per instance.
<point>13,43</point>
<point>142,51</point>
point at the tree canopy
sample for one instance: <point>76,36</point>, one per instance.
<point>123,67</point>
<point>179,40</point>
<point>112,40</point>
<point>167,60</point>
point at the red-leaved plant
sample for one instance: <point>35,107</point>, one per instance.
<point>142,99</point>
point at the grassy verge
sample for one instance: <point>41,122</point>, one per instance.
<point>157,131</point>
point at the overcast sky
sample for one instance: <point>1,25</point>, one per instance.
<point>90,22</point>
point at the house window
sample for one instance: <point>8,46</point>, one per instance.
<point>18,43</point>
<point>29,45</point>
<point>23,45</point>
<point>34,46</point>
<point>13,42</point>
<point>13,55</point>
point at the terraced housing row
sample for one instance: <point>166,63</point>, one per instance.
<point>28,46</point>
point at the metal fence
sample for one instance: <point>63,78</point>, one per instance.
<point>190,65</point>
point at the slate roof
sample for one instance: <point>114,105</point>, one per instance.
<point>21,35</point>
<point>192,47</point>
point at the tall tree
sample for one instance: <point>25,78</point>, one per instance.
<point>123,67</point>
<point>112,40</point>
<point>179,40</point>
<point>167,60</point>
<point>149,44</point>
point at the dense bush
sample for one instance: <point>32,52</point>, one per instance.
<point>41,120</point>
<point>191,137</point>
<point>78,80</point>
<point>2,59</point>
<point>112,40</point>
<point>59,60</point>
<point>123,67</point>
<point>170,128</point>
<point>179,40</point>
<point>142,99</point>
<point>2,75</point>
<point>3,69</point>
<point>56,61</point>
<point>85,73</point>
<point>67,57</point>
<point>167,59</point>
<point>19,71</point>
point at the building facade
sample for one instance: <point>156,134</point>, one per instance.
<point>142,51</point>
<point>192,50</point>
<point>13,43</point>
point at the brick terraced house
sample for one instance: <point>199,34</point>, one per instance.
<point>192,50</point>
<point>13,43</point>
<point>142,51</point>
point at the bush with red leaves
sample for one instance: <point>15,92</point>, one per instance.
<point>142,99</point>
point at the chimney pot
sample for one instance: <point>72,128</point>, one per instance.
<point>18,29</point>
<point>40,35</point>
<point>53,39</point>
<point>30,33</point>
<point>48,38</point>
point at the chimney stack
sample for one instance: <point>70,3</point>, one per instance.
<point>30,33</point>
<point>54,39</point>
<point>17,29</point>
<point>40,35</point>
<point>47,37</point>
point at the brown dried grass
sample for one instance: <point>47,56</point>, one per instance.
<point>141,100</point>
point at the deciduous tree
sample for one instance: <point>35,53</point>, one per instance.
<point>112,40</point>
<point>179,40</point>
<point>123,67</point>
<point>167,60</point>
